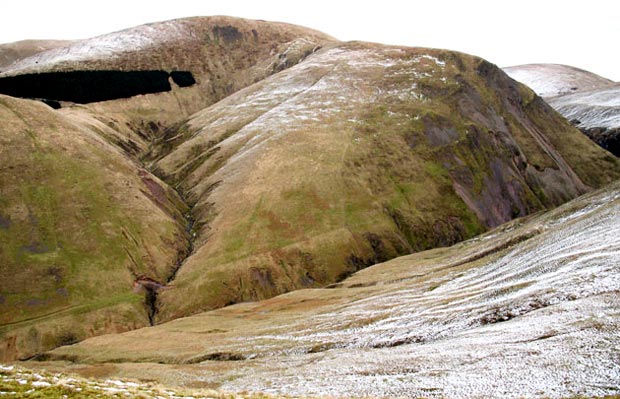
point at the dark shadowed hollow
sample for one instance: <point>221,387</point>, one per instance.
<point>92,86</point>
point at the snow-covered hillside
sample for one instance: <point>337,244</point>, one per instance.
<point>594,108</point>
<point>550,80</point>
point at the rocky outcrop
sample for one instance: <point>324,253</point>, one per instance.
<point>608,139</point>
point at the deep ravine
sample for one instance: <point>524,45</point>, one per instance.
<point>145,284</point>
<point>152,290</point>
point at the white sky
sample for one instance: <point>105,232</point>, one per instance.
<point>583,34</point>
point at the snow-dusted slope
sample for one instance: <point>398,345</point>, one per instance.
<point>594,108</point>
<point>176,44</point>
<point>528,310</point>
<point>107,46</point>
<point>596,113</point>
<point>550,80</point>
<point>12,52</point>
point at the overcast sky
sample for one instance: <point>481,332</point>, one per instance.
<point>584,34</point>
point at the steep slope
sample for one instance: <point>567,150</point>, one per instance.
<point>551,80</point>
<point>528,310</point>
<point>12,52</point>
<point>359,154</point>
<point>79,224</point>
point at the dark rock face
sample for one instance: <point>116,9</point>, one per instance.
<point>91,86</point>
<point>608,139</point>
<point>228,34</point>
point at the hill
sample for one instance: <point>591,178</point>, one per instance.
<point>87,233</point>
<point>596,113</point>
<point>587,100</point>
<point>291,161</point>
<point>359,154</point>
<point>551,80</point>
<point>159,73</point>
<point>79,223</point>
<point>12,52</point>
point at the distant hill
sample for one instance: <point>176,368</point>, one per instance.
<point>13,52</point>
<point>551,80</point>
<point>219,54</point>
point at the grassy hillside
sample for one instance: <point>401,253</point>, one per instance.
<point>357,155</point>
<point>80,219</point>
<point>79,222</point>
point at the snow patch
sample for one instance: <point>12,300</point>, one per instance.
<point>597,108</point>
<point>106,46</point>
